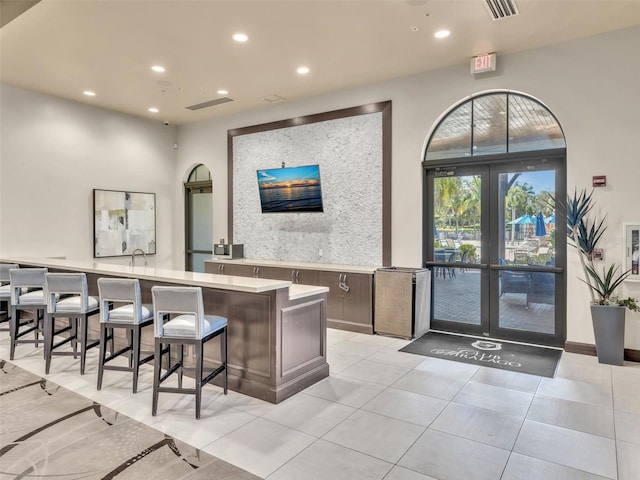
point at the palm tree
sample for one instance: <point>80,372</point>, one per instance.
<point>447,189</point>
<point>517,198</point>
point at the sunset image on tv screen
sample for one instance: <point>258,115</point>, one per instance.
<point>292,189</point>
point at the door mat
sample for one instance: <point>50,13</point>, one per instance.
<point>535,360</point>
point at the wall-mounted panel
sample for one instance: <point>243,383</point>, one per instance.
<point>350,153</point>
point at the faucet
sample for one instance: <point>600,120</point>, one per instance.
<point>133,257</point>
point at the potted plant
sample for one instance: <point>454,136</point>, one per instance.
<point>607,309</point>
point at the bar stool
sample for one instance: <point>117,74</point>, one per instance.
<point>27,295</point>
<point>76,306</point>
<point>190,327</point>
<point>131,317</point>
<point>5,292</point>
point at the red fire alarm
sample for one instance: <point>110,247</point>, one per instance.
<point>600,181</point>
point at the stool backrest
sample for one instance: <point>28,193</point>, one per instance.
<point>177,300</point>
<point>4,272</point>
<point>20,278</point>
<point>125,290</point>
<point>66,284</point>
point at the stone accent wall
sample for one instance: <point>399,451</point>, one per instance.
<point>349,231</point>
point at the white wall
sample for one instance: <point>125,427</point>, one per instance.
<point>589,84</point>
<point>53,154</point>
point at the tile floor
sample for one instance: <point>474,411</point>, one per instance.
<point>384,414</point>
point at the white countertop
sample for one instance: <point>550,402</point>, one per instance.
<point>208,280</point>
<point>332,267</point>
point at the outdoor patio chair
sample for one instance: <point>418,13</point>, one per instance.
<point>514,282</point>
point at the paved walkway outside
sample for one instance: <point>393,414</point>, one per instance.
<point>457,298</point>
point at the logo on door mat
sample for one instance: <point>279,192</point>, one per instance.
<point>486,345</point>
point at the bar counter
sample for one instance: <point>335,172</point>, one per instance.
<point>276,330</point>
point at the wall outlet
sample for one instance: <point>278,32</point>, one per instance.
<point>320,252</point>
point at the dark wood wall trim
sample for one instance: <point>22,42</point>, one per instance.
<point>630,355</point>
<point>383,107</point>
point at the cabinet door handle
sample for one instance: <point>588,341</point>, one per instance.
<point>297,276</point>
<point>343,283</point>
<point>257,274</point>
<point>293,276</point>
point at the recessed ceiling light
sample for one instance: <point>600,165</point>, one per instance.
<point>223,92</point>
<point>303,70</point>
<point>240,37</point>
<point>89,93</point>
<point>158,68</point>
<point>153,110</point>
<point>442,34</point>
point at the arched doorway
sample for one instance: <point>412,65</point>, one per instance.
<point>493,168</point>
<point>198,219</point>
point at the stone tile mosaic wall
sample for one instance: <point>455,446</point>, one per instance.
<point>349,231</point>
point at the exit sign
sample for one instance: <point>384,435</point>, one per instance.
<point>483,63</point>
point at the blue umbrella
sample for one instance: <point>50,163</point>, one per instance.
<point>550,219</point>
<point>541,231</point>
<point>523,220</point>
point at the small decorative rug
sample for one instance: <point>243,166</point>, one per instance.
<point>517,357</point>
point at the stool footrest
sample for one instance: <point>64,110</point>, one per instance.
<point>118,368</point>
<point>209,377</point>
<point>191,391</point>
<point>66,354</point>
<point>146,359</point>
<point>117,354</point>
<point>171,370</point>
<point>29,330</point>
<point>62,330</point>
<point>62,342</point>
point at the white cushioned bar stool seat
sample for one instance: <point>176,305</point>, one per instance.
<point>5,292</point>
<point>189,326</point>
<point>131,317</point>
<point>26,287</point>
<point>67,296</point>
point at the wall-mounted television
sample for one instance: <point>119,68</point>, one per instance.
<point>290,189</point>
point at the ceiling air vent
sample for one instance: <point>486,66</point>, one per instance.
<point>210,103</point>
<point>501,8</point>
<point>274,98</point>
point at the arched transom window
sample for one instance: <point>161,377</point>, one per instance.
<point>495,123</point>
<point>199,174</point>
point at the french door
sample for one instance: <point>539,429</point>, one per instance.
<point>496,253</point>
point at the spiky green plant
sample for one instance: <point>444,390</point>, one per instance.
<point>606,284</point>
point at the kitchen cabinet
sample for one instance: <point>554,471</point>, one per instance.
<point>350,297</point>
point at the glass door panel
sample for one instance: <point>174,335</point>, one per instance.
<point>526,244</point>
<point>455,254</point>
